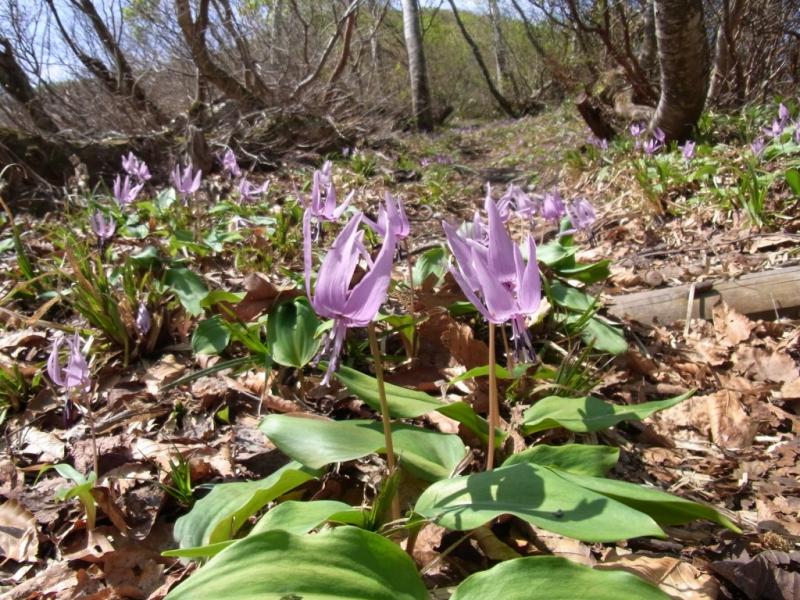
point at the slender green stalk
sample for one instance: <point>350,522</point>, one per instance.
<point>493,406</point>
<point>387,424</point>
<point>412,307</point>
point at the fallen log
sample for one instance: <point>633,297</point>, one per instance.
<point>767,294</point>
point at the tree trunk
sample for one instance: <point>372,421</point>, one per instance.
<point>194,34</point>
<point>648,49</point>
<point>504,80</point>
<point>683,59</point>
<point>476,52</point>
<point>15,82</point>
<point>420,92</point>
<point>724,47</point>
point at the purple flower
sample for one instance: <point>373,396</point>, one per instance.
<point>249,192</point>
<point>581,213</point>
<point>774,130</point>
<point>230,165</point>
<point>552,206</point>
<point>495,278</point>
<point>652,146</point>
<point>636,129</point>
<point>659,134</point>
<point>186,181</point>
<point>103,227</point>
<point>124,192</point>
<point>783,113</point>
<point>392,214</point>
<point>758,146</point>
<point>143,321</point>
<point>323,207</point>
<point>333,298</point>
<point>135,167</point>
<point>76,374</point>
<point>688,149</point>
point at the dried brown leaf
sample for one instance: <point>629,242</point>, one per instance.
<point>18,538</point>
<point>733,326</point>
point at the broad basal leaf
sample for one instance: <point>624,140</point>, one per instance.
<point>538,495</point>
<point>318,442</point>
<point>291,331</point>
<point>581,459</point>
<point>345,563</point>
<point>588,413</point>
<point>218,516</point>
<point>664,508</point>
<point>408,404</point>
<point>189,288</point>
<point>557,578</point>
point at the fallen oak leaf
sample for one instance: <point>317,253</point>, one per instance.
<point>18,538</point>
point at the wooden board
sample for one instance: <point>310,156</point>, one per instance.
<point>768,294</point>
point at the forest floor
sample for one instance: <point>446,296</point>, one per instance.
<point>732,445</point>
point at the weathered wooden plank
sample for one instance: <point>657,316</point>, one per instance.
<point>761,295</point>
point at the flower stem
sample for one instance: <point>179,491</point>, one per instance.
<point>387,425</point>
<point>493,407</point>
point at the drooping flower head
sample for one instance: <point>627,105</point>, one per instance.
<point>652,146</point>
<point>391,215</point>
<point>136,168</point>
<point>230,164</point>
<point>599,143</point>
<point>659,134</point>
<point>783,114</point>
<point>124,191</point>
<point>143,320</point>
<point>581,213</point>
<point>688,150</point>
<point>249,192</point>
<point>186,181</point>
<point>75,376</point>
<point>758,146</point>
<point>333,297</point>
<point>636,129</point>
<point>776,129</point>
<point>552,206</point>
<point>103,227</point>
<point>322,205</point>
<point>495,278</point>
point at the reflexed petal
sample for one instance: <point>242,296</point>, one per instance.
<point>337,270</point>
<point>463,255</point>
<point>469,293</point>
<point>499,299</point>
<point>501,248</point>
<point>367,296</point>
<point>529,292</point>
<point>54,369</point>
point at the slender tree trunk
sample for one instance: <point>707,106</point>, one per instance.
<point>724,47</point>
<point>504,81</point>
<point>648,53</point>
<point>420,92</point>
<point>505,105</point>
<point>194,35</point>
<point>16,84</point>
<point>683,59</point>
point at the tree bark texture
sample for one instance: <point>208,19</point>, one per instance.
<point>683,59</point>
<point>504,80</point>
<point>420,92</point>
<point>724,49</point>
<point>15,82</point>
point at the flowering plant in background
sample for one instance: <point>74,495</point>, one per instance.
<point>391,217</point>
<point>636,129</point>
<point>143,320</point>
<point>230,165</point>
<point>124,191</point>
<point>249,192</point>
<point>599,143</point>
<point>136,168</point>
<point>333,298</point>
<point>186,181</point>
<point>757,146</point>
<point>552,206</point>
<point>322,207</point>
<point>652,146</point>
<point>581,214</point>
<point>688,150</point>
<point>75,375</point>
<point>103,227</point>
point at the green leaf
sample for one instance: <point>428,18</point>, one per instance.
<point>569,297</point>
<point>581,459</point>
<point>793,180</point>
<point>211,336</point>
<point>561,578</point>
<point>536,494</point>
<point>318,442</point>
<point>409,404</point>
<point>290,331</point>
<point>219,515</point>
<point>189,288</point>
<point>345,563</point>
<point>586,273</point>
<point>146,257</point>
<point>588,413</point>
<point>502,373</point>
<point>431,262</point>
<point>165,199</point>
<point>664,508</point>
<point>291,516</point>
<point>552,253</point>
<point>599,334</point>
